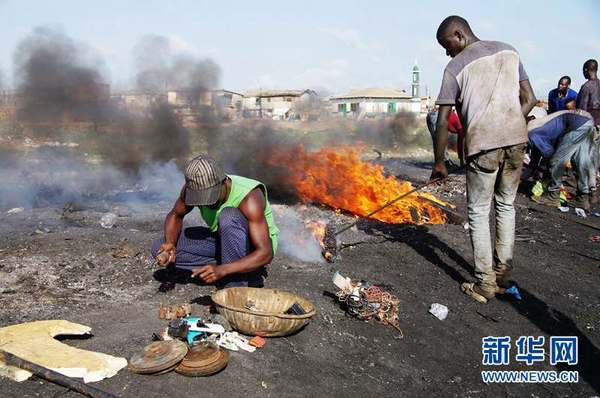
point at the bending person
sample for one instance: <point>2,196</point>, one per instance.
<point>241,237</point>
<point>561,137</point>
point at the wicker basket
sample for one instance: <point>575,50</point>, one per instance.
<point>265,317</point>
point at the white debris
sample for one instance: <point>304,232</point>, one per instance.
<point>15,210</point>
<point>108,220</point>
<point>564,209</point>
<point>580,212</point>
<point>342,282</point>
<point>440,311</point>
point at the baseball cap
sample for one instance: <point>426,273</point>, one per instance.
<point>203,178</point>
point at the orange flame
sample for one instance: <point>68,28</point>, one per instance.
<point>319,229</point>
<point>338,178</point>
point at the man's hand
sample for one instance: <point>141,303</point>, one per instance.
<point>208,273</point>
<point>166,254</point>
<point>439,171</point>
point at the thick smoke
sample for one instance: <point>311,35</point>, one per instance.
<point>141,140</point>
<point>61,89</point>
<point>158,135</point>
<point>391,134</point>
<point>160,68</point>
<point>58,78</point>
<point>295,240</point>
<point>60,82</point>
<point>52,176</point>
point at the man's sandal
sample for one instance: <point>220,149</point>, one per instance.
<point>473,291</point>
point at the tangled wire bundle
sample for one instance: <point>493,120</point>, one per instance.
<point>366,303</point>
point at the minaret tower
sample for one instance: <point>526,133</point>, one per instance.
<point>416,77</point>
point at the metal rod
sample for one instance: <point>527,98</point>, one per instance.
<point>457,218</point>
<point>388,204</point>
<point>391,202</point>
<point>54,377</point>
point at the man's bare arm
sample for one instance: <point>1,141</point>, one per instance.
<point>253,208</point>
<point>526,97</point>
<point>172,227</point>
<point>441,142</point>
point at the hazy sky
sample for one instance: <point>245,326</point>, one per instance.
<point>337,45</point>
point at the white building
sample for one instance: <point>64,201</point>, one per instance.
<point>275,104</point>
<point>370,102</point>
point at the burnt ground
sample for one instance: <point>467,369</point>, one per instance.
<point>64,265</point>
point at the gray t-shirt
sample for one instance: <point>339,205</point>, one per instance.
<point>588,99</point>
<point>483,82</point>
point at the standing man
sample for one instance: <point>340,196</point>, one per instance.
<point>241,237</point>
<point>558,97</point>
<point>487,83</point>
<point>588,99</point>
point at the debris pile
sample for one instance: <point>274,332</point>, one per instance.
<point>365,301</point>
<point>191,345</point>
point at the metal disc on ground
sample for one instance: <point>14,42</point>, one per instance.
<point>203,360</point>
<point>158,356</point>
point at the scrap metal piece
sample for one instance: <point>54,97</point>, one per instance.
<point>158,356</point>
<point>203,360</point>
<point>178,328</point>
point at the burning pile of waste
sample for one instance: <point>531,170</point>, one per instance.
<point>338,178</point>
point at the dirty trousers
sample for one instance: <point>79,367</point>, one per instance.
<point>577,145</point>
<point>493,175</point>
<point>198,246</point>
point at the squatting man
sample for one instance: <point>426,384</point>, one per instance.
<point>240,238</point>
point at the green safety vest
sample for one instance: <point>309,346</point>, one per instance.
<point>240,188</point>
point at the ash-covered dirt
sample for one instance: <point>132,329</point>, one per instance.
<point>61,264</point>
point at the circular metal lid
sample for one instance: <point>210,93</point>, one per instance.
<point>203,360</point>
<point>158,356</point>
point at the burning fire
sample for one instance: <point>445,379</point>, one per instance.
<point>319,230</point>
<point>339,179</point>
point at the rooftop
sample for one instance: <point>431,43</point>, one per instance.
<point>276,93</point>
<point>373,93</point>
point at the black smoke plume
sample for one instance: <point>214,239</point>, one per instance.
<point>58,78</point>
<point>158,134</point>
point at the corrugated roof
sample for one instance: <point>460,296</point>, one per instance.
<point>373,93</point>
